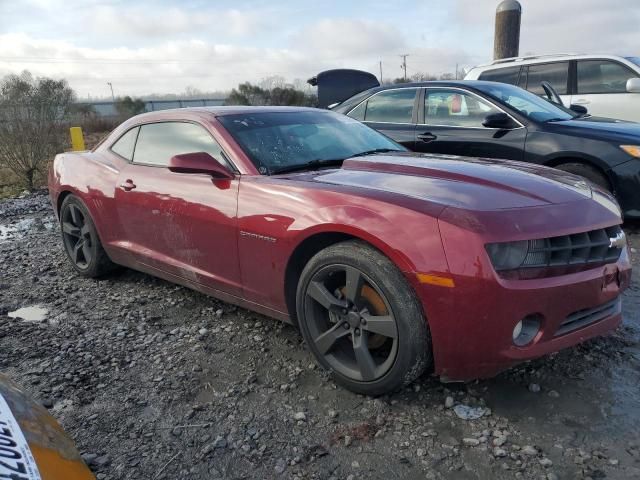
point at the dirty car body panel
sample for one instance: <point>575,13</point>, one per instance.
<point>432,215</point>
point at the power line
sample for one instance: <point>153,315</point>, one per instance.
<point>404,65</point>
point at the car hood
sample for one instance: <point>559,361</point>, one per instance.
<point>468,183</point>
<point>603,128</point>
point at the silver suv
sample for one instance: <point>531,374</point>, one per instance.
<point>607,85</point>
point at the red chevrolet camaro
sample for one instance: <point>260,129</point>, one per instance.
<point>391,263</point>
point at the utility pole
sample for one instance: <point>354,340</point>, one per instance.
<point>456,71</point>
<point>404,65</point>
<point>506,43</point>
<point>111,87</point>
<point>380,72</point>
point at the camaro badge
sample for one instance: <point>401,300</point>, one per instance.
<point>619,241</point>
<point>257,236</point>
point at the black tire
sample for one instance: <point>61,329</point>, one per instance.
<point>338,340</point>
<point>587,171</point>
<point>81,241</point>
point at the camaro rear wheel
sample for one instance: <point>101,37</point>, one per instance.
<point>361,319</point>
<point>81,241</point>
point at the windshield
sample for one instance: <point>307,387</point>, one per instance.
<point>279,141</point>
<point>635,60</point>
<point>531,106</point>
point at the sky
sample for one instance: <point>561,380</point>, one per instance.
<point>157,46</point>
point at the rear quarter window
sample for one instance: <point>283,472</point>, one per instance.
<point>125,145</point>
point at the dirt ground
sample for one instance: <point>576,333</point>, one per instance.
<point>155,381</point>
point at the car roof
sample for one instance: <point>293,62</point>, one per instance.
<point>534,59</point>
<point>431,83</point>
<point>219,111</point>
<point>434,83</point>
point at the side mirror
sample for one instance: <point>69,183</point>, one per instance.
<point>498,120</point>
<point>579,109</point>
<point>199,162</point>
<point>633,85</point>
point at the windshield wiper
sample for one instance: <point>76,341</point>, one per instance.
<point>376,150</point>
<point>318,163</point>
<point>551,120</point>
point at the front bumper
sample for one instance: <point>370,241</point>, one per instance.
<point>472,322</point>
<point>475,339</point>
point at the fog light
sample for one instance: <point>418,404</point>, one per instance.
<point>526,330</point>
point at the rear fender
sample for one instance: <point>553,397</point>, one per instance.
<point>91,181</point>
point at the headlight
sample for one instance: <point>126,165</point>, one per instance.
<point>633,150</point>
<point>594,247</point>
<point>508,255</point>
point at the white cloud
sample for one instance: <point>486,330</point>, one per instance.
<point>146,47</point>
<point>145,22</point>
<point>349,38</point>
<point>581,26</point>
<point>167,67</point>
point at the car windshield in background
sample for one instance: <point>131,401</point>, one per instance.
<point>528,104</point>
<point>282,141</point>
<point>635,60</point>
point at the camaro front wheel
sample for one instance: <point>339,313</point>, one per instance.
<point>361,319</point>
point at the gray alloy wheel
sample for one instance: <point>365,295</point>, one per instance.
<point>77,236</point>
<point>361,319</point>
<point>346,326</point>
<point>81,241</point>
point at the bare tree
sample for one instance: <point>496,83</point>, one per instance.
<point>274,81</point>
<point>422,77</point>
<point>33,115</point>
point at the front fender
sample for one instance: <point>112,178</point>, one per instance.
<point>412,241</point>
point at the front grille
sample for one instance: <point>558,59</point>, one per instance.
<point>585,317</point>
<point>576,249</point>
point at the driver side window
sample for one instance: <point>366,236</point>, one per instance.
<point>158,142</point>
<point>602,76</point>
<point>455,108</point>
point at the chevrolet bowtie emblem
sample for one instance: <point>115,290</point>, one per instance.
<point>619,241</point>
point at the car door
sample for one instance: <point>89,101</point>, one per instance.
<point>182,224</point>
<point>601,87</point>
<point>392,113</point>
<point>451,123</point>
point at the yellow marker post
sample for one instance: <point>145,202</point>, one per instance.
<point>77,139</point>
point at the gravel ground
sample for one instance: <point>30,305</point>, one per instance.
<point>155,381</point>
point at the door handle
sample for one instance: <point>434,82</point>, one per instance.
<point>128,185</point>
<point>427,137</point>
<point>582,101</point>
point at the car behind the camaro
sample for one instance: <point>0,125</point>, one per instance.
<point>391,263</point>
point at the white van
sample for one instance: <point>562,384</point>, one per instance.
<point>607,85</point>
